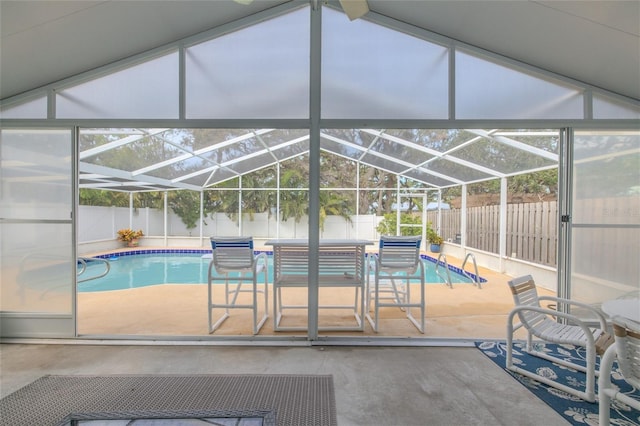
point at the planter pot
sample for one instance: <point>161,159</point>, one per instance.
<point>435,248</point>
<point>132,243</point>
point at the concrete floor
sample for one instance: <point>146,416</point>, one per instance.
<point>373,385</point>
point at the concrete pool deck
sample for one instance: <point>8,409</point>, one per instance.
<point>464,312</point>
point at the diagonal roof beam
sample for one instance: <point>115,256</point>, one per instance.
<point>140,179</point>
<point>267,149</point>
<point>198,153</point>
<point>345,142</point>
<point>474,166</point>
<point>380,134</point>
<point>120,142</point>
<point>515,144</point>
<point>403,142</point>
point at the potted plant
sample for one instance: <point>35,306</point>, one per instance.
<point>129,236</point>
<point>435,240</point>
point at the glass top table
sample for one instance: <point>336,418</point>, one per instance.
<point>628,308</point>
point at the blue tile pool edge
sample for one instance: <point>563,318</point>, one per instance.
<point>268,252</point>
<point>454,268</point>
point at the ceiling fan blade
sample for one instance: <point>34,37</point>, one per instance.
<point>354,8</point>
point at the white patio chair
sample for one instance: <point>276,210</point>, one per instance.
<point>233,261</point>
<point>627,350</point>
<point>397,264</point>
<point>543,323</point>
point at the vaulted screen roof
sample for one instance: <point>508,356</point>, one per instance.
<point>158,159</point>
<point>259,72</point>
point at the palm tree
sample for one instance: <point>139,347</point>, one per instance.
<point>334,204</point>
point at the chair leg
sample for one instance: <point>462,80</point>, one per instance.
<point>376,302</point>
<point>367,286</point>
<point>407,294</point>
<point>277,310</point>
<point>604,386</point>
<point>374,321</point>
<point>423,307</point>
<point>266,292</point>
<point>257,324</point>
<point>231,295</point>
<point>589,393</point>
<point>209,303</point>
<point>588,396</point>
<point>254,304</point>
<point>509,357</point>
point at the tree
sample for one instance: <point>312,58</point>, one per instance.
<point>294,203</point>
<point>388,225</point>
<point>334,204</point>
<point>186,204</point>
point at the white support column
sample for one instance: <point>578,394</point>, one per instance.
<point>398,215</point>
<point>502,239</point>
<point>131,210</point>
<point>166,217</point>
<point>425,201</point>
<point>358,199</point>
<point>201,217</point>
<point>439,217</point>
<point>114,227</point>
<point>147,219</point>
<point>463,217</point>
<point>240,207</point>
<point>314,169</point>
<point>278,201</point>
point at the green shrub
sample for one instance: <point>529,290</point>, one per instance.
<point>388,225</point>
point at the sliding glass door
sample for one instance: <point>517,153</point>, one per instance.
<point>606,215</point>
<point>37,252</point>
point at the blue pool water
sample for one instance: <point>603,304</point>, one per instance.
<point>145,269</point>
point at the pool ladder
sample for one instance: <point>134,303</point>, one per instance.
<point>476,280</point>
<point>446,279</point>
<point>83,262</point>
<point>442,259</point>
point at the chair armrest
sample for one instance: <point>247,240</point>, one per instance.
<point>599,315</point>
<point>256,258</point>
<point>574,319</point>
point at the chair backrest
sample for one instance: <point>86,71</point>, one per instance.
<point>399,252</point>
<point>524,293</point>
<point>232,252</point>
<point>627,341</point>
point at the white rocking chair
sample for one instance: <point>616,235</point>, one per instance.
<point>541,322</point>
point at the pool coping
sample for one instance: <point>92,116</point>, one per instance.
<point>117,254</point>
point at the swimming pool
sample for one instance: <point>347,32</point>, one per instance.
<point>143,268</point>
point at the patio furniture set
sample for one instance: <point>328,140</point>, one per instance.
<point>345,264</point>
<point>341,264</point>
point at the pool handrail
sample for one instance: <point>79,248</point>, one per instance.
<point>83,261</point>
<point>447,279</point>
<point>476,280</point>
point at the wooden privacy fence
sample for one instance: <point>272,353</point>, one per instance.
<point>532,233</point>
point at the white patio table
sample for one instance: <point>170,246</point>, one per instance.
<point>341,263</point>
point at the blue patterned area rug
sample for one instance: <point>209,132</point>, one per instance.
<point>573,409</point>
